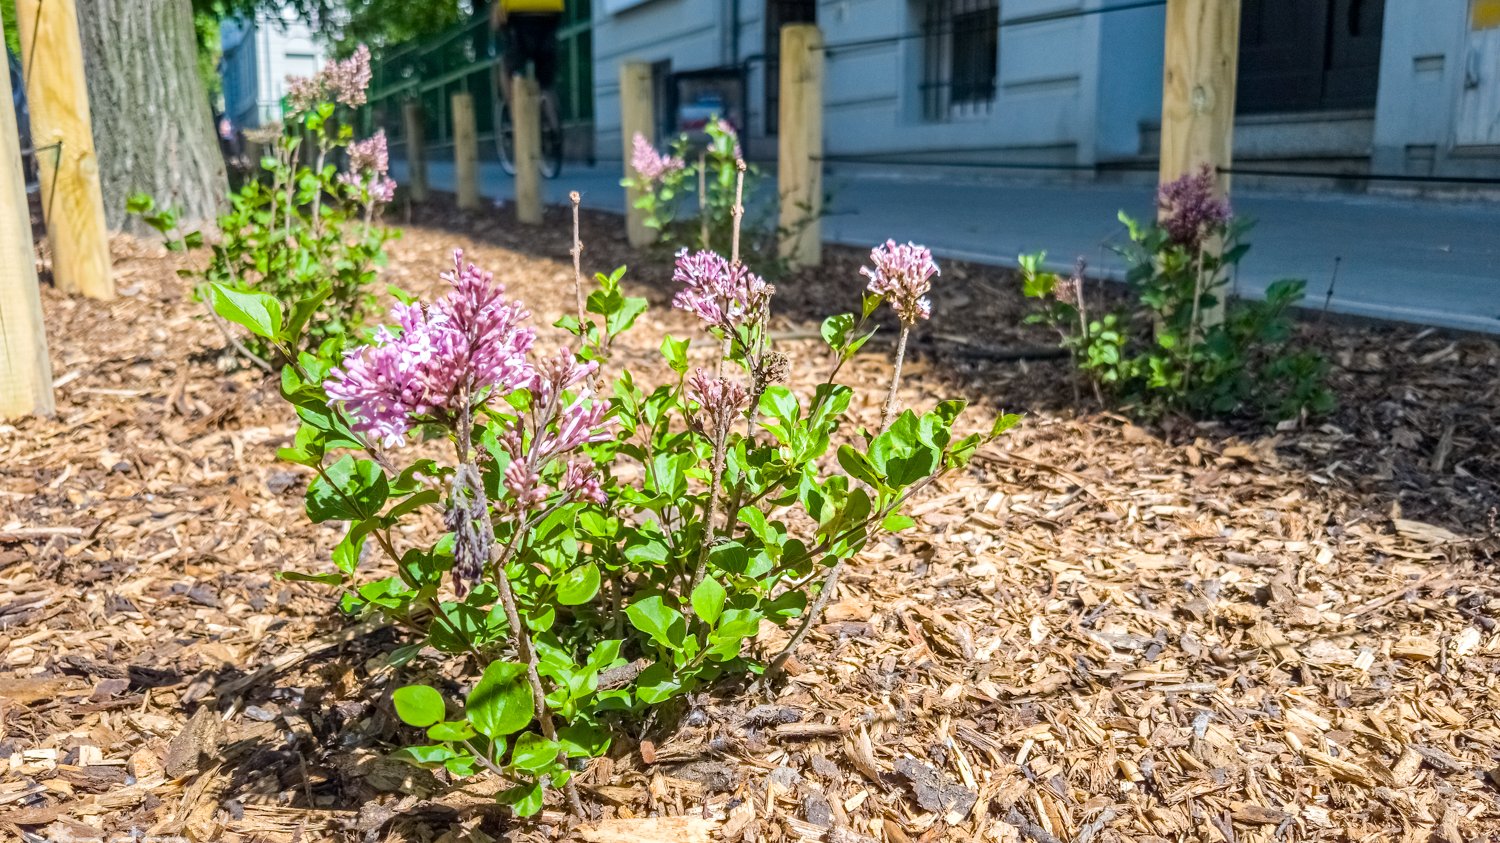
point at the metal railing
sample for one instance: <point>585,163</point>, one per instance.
<point>467,57</point>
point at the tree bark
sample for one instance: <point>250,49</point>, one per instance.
<point>153,127</point>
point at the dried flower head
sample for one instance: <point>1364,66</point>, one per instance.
<point>1191,210</point>
<point>650,164</point>
<point>774,367</point>
<point>903,276</point>
<point>719,401</point>
<point>468,346</point>
<point>467,517</point>
<point>1070,290</point>
<point>724,295</point>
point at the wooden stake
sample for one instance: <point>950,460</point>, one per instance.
<point>1198,84</point>
<point>465,151</point>
<point>25,371</point>
<point>526,112</point>
<point>416,153</point>
<point>799,165</point>
<point>72,201</point>
<point>637,116</point>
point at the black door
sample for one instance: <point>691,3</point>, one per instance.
<point>1309,55</point>
<point>779,13</point>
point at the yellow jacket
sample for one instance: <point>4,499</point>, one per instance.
<point>528,6</point>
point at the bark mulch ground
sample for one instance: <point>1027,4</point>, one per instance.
<point>1103,631</point>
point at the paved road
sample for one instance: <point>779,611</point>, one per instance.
<point>1428,262</point>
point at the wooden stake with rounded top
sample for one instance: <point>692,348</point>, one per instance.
<point>465,151</point>
<point>25,370</point>
<point>62,131</point>
<point>416,153</point>
<point>526,111</point>
<point>637,117</point>
<point>799,165</point>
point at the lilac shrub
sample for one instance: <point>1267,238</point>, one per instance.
<point>606,547</point>
<point>306,234</point>
<point>1164,355</point>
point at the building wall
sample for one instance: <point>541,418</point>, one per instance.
<point>1079,90</point>
<point>1433,69</point>
<point>259,55</point>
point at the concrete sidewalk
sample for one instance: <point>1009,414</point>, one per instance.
<point>1422,261</point>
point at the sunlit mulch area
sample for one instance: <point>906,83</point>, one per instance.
<point>1103,631</point>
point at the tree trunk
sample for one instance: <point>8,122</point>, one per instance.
<point>153,127</point>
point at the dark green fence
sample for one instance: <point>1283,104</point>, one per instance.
<point>467,58</point>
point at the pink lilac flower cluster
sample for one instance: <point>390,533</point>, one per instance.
<point>343,81</point>
<point>557,431</point>
<point>724,295</point>
<point>651,165</point>
<point>903,276</point>
<point>369,168</point>
<point>719,400</point>
<point>469,343</point>
<point>1191,210</point>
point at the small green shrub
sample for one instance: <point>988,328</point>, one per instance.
<point>305,234</point>
<point>1163,355</point>
<point>607,547</point>
<point>711,181</point>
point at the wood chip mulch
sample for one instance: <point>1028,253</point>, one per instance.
<point>1104,631</point>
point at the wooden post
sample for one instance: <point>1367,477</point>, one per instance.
<point>799,151</point>
<point>416,154</point>
<point>465,151</point>
<point>1197,103</point>
<point>72,201</point>
<point>526,113</point>
<point>637,117</point>
<point>25,371</point>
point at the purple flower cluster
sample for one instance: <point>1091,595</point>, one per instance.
<point>343,81</point>
<point>557,431</point>
<point>369,168</point>
<point>719,400</point>
<point>724,295</point>
<point>903,276</point>
<point>471,342</point>
<point>650,164</point>
<point>1190,208</point>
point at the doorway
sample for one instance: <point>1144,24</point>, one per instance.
<point>778,14</point>
<point>1309,55</point>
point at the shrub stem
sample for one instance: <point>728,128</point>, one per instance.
<point>890,400</point>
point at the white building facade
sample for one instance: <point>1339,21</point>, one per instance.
<point>1408,87</point>
<point>259,55</point>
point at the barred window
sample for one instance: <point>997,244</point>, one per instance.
<point>961,41</point>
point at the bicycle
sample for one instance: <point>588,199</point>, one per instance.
<point>505,136</point>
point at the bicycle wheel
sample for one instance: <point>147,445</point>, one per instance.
<point>552,144</point>
<point>505,137</point>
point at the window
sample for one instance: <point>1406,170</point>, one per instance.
<point>961,50</point>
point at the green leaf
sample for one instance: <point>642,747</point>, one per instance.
<point>418,705</point>
<point>895,523</point>
<point>524,799</point>
<point>534,753</point>
<point>835,330</point>
<point>501,703</point>
<point>451,730</point>
<point>257,313</point>
<point>298,576</point>
<point>661,622</point>
<point>1005,422</point>
<point>579,585</point>
<point>675,352</point>
<point>348,490</point>
<point>425,756</point>
<point>584,740</point>
<point>303,310</point>
<point>708,600</point>
<point>657,684</point>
